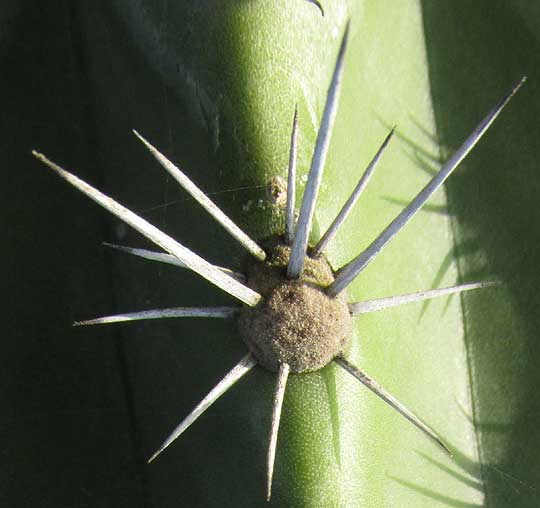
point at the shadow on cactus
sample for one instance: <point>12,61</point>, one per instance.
<point>295,317</point>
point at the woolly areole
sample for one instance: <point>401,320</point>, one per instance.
<point>295,322</point>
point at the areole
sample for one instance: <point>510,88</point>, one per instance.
<point>295,322</point>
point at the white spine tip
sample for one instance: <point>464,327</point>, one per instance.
<point>353,198</point>
<point>279,395</point>
<point>309,200</point>
<point>186,256</point>
<point>234,375</point>
<point>378,390</point>
<point>204,201</point>
<point>291,181</point>
<point>395,301</point>
<point>349,272</point>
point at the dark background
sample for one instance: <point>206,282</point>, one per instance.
<point>74,84</point>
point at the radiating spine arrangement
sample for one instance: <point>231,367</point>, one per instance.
<point>295,235</point>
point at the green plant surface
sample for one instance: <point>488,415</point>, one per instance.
<point>338,444</point>
<point>496,227</point>
<point>213,85</point>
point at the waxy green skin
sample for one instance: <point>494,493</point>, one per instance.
<point>218,98</point>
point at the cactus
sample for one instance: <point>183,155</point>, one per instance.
<point>219,95</point>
